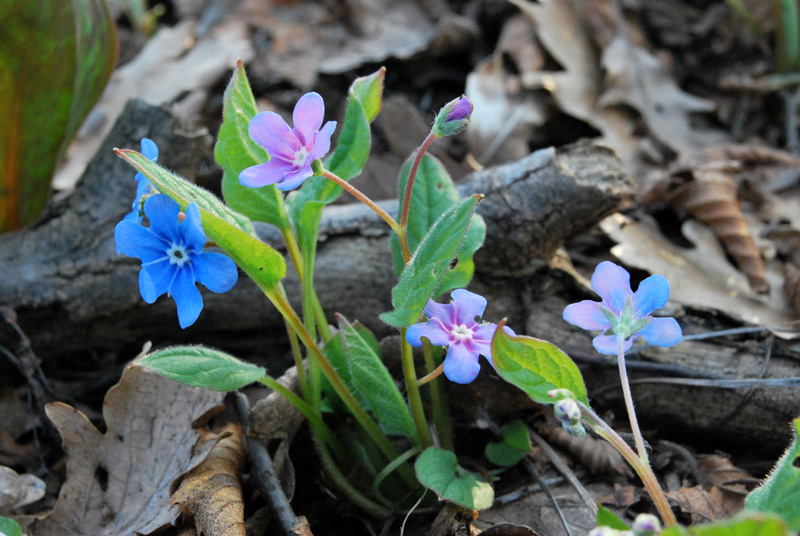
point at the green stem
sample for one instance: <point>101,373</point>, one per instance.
<point>441,415</point>
<point>298,362</point>
<point>414,398</point>
<point>369,425</point>
<point>363,198</point>
<point>626,394</point>
<point>641,467</point>
<point>317,424</point>
<point>402,234</point>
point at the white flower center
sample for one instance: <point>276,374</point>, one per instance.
<point>461,333</point>
<point>178,255</point>
<point>300,157</point>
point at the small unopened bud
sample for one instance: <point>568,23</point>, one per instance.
<point>568,414</point>
<point>452,118</point>
<point>646,525</point>
<point>604,531</point>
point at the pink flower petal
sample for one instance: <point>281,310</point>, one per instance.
<point>307,116</point>
<point>461,365</point>
<point>613,284</point>
<point>270,131</point>
<point>586,315</point>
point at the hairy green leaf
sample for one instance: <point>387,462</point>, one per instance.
<point>780,492</point>
<point>439,471</point>
<point>536,367</point>
<point>199,366</point>
<point>424,273</point>
<point>55,59</point>
<point>745,524</point>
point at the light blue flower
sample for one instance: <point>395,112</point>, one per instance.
<point>291,150</point>
<point>172,256</point>
<point>454,325</point>
<point>150,151</point>
<point>624,313</point>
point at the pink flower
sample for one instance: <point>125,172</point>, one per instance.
<point>291,150</point>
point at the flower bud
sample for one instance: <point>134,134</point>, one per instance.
<point>646,525</point>
<point>452,118</point>
<point>568,414</point>
<point>604,531</point>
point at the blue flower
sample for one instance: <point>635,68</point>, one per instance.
<point>455,325</point>
<point>624,313</point>
<point>291,150</point>
<point>172,257</point>
<point>150,151</point>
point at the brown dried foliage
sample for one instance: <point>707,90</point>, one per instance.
<point>212,492</point>
<point>703,184</point>
<point>598,455</point>
<point>791,285</point>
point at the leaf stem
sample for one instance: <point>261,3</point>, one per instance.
<point>363,198</point>
<point>641,467</point>
<point>414,398</point>
<point>441,415</point>
<point>402,234</point>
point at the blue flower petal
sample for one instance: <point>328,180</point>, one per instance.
<point>146,287</point>
<point>187,298</point>
<point>215,271</point>
<point>322,141</point>
<point>444,312</point>
<point>149,149</point>
<point>134,240</point>
<point>270,131</point>
<point>262,174</point>
<point>295,178</point>
<point>191,229</point>
<point>652,294</point>
<point>161,275</point>
<point>662,332</point>
<point>461,365</point>
<point>613,284</point>
<point>586,315</point>
<point>607,344</point>
<point>162,211</point>
<point>307,117</point>
<point>468,306</point>
<point>432,329</point>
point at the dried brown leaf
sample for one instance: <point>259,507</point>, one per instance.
<point>118,482</point>
<point>704,506</point>
<point>791,285</point>
<point>211,492</point>
<point>598,455</point>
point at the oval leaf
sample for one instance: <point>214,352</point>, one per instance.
<point>202,367</point>
<point>423,274</point>
<point>439,471</point>
<point>747,524</point>
<point>536,367</point>
<point>55,60</point>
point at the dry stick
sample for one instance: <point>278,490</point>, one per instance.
<point>267,478</point>
<point>546,489</point>
<point>562,468</point>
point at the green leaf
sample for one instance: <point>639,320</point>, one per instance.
<point>744,524</point>
<point>347,160</point>
<point>434,193</point>
<point>9,527</point>
<point>202,367</point>
<point>439,471</point>
<point>536,367</point>
<point>780,492</point>
<point>368,377</point>
<point>607,518</point>
<point>55,60</point>
<point>516,445</point>
<point>235,152</point>
<point>369,91</point>
<point>230,230</point>
<point>424,273</point>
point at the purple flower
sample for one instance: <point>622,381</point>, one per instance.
<point>172,257</point>
<point>150,151</point>
<point>455,325</point>
<point>452,118</point>
<point>291,150</point>
<point>624,313</point>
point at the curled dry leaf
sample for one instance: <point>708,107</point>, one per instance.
<point>598,455</point>
<point>704,506</point>
<point>702,184</point>
<point>18,490</point>
<point>211,492</point>
<point>118,482</point>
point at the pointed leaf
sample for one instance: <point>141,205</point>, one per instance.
<point>536,367</point>
<point>230,230</point>
<point>55,60</point>
<point>434,193</point>
<point>439,471</point>
<point>607,518</point>
<point>369,91</point>
<point>780,492</point>
<point>744,524</point>
<point>9,527</point>
<point>424,273</point>
<point>369,377</point>
<point>199,366</point>
<point>235,151</point>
